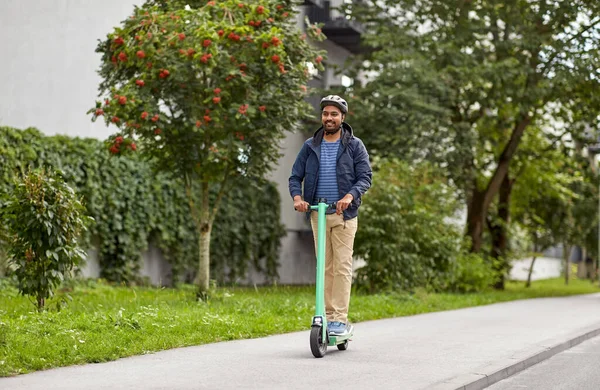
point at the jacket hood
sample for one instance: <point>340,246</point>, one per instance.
<point>347,134</point>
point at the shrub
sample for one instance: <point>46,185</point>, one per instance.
<point>470,273</point>
<point>44,221</point>
<point>404,233</point>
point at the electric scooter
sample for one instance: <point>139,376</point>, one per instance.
<point>319,337</point>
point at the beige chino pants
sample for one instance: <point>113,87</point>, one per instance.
<point>339,246</point>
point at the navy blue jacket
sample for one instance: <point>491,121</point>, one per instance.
<point>353,169</point>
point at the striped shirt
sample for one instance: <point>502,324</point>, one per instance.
<point>327,186</point>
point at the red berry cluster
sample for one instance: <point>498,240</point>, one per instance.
<point>234,37</point>
<point>205,58</point>
<point>119,142</point>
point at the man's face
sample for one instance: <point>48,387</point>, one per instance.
<point>332,118</point>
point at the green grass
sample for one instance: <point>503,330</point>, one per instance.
<point>104,323</point>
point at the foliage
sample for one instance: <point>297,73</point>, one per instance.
<point>481,75</point>
<point>4,266</point>
<point>206,90</point>
<point>247,232</point>
<point>132,205</point>
<point>406,235</point>
<point>555,197</point>
<point>470,273</point>
<point>9,287</point>
<point>45,220</point>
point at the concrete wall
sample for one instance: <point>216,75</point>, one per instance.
<point>550,265</point>
<point>48,69</point>
<point>152,265</point>
<point>544,268</point>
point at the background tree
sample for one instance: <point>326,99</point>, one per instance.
<point>538,173</point>
<point>541,194</point>
<point>410,237</point>
<point>583,216</point>
<point>206,90</point>
<point>482,74</point>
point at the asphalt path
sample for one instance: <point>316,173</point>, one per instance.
<point>574,369</point>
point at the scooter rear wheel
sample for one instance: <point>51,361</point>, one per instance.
<point>318,345</point>
<point>343,346</point>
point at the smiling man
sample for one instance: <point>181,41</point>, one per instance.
<point>334,165</point>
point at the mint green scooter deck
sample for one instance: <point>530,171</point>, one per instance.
<point>335,340</point>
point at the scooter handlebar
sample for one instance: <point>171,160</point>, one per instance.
<point>331,205</point>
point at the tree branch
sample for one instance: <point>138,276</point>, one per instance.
<point>505,158</point>
<point>224,184</point>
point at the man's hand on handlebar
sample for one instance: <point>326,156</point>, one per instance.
<point>300,205</point>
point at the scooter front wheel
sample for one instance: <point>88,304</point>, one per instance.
<point>318,343</point>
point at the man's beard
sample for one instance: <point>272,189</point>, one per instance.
<point>331,132</point>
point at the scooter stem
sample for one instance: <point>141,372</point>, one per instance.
<point>320,293</point>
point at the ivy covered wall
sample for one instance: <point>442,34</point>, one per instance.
<point>132,205</point>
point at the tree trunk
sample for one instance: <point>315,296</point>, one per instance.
<point>41,302</point>
<point>597,268</point>
<point>499,232</point>
<point>583,270</point>
<point>566,255</point>
<point>481,200</point>
<point>204,218</point>
<point>528,284</point>
<point>475,219</point>
<point>535,251</point>
<point>203,277</point>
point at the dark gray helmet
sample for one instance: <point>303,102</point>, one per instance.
<point>335,100</point>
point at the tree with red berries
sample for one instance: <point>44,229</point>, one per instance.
<point>206,90</point>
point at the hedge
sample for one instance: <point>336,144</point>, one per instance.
<point>133,205</point>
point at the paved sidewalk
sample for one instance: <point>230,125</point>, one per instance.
<point>445,350</point>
